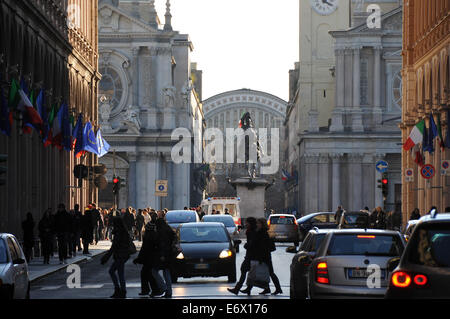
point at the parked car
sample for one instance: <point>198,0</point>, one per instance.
<point>319,220</point>
<point>410,228</point>
<point>177,217</point>
<point>301,262</point>
<point>283,228</point>
<point>345,260</point>
<point>424,269</point>
<point>14,279</point>
<point>206,251</point>
<point>359,219</point>
<point>229,224</point>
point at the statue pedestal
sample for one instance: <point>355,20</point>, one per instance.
<point>252,194</point>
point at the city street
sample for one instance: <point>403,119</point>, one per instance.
<point>96,282</point>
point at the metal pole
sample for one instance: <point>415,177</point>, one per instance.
<point>114,175</point>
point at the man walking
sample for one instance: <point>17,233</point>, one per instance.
<point>76,215</point>
<point>62,229</point>
<point>87,230</point>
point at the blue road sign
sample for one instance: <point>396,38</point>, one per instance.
<point>381,166</point>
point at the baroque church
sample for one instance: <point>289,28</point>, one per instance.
<point>148,88</point>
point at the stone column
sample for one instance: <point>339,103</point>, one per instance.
<point>377,112</point>
<point>311,183</point>
<point>141,181</point>
<point>135,70</point>
<point>357,125</point>
<point>337,121</point>
<point>323,181</point>
<point>355,178</point>
<point>336,179</point>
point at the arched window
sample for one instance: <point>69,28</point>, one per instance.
<point>111,86</point>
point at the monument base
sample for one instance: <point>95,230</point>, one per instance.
<point>251,192</point>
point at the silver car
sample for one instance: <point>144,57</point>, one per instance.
<point>353,263</point>
<point>14,280</point>
<point>228,222</point>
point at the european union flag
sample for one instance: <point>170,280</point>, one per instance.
<point>90,140</point>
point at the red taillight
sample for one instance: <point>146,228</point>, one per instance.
<point>420,280</point>
<point>401,279</point>
<point>268,222</point>
<point>322,273</point>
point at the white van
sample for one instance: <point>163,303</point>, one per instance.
<point>222,203</point>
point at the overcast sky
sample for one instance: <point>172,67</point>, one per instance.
<point>240,43</point>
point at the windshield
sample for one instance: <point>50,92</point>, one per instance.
<point>282,220</point>
<point>203,234</point>
<point>181,217</point>
<point>365,244</point>
<point>430,246</point>
<point>3,252</point>
<point>228,222</point>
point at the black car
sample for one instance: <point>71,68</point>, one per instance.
<point>324,220</point>
<point>359,219</point>
<point>301,262</point>
<point>424,268</point>
<point>206,251</point>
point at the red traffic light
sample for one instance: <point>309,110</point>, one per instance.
<point>384,181</point>
<point>115,180</point>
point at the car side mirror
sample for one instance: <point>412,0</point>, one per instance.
<point>393,263</point>
<point>18,261</point>
<point>291,249</point>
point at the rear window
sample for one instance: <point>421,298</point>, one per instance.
<point>365,244</point>
<point>3,252</point>
<point>282,220</point>
<point>203,234</point>
<point>181,217</point>
<point>356,219</point>
<point>228,222</point>
<point>430,246</point>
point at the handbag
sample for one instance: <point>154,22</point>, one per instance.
<point>259,275</point>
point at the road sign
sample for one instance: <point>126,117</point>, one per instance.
<point>409,175</point>
<point>161,188</point>
<point>428,171</point>
<point>445,167</point>
<point>382,166</point>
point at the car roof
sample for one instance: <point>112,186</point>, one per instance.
<point>364,231</point>
<point>215,216</point>
<point>181,211</point>
<point>201,224</point>
<point>278,215</point>
<point>320,230</point>
<point>6,235</point>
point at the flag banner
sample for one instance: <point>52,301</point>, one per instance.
<point>90,140</point>
<point>42,113</point>
<point>48,140</point>
<point>30,114</point>
<point>415,137</point>
<point>103,146</point>
<point>13,99</point>
<point>439,129</point>
<point>432,134</point>
<point>57,138</point>
<point>425,146</point>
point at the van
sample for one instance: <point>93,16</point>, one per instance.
<point>222,203</point>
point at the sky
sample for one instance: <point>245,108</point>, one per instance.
<point>239,43</point>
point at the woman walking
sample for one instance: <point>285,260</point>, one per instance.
<point>120,251</point>
<point>46,235</point>
<point>250,225</point>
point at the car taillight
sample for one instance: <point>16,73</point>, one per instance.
<point>322,273</point>
<point>420,280</point>
<point>401,279</point>
<point>268,222</point>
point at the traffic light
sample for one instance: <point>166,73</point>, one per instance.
<point>116,185</point>
<point>80,171</point>
<point>3,169</point>
<point>384,185</point>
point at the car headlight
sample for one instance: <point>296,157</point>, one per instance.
<point>180,256</point>
<point>225,253</point>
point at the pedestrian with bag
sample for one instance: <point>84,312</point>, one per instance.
<point>164,248</point>
<point>250,225</point>
<point>148,258</point>
<point>45,228</point>
<point>28,236</point>
<point>121,249</point>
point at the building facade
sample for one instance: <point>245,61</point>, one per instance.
<point>426,91</point>
<point>224,111</point>
<point>351,114</point>
<point>148,90</point>
<point>51,45</point>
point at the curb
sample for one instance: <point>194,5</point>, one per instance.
<point>66,265</point>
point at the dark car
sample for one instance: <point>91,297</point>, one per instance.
<point>322,220</point>
<point>283,228</point>
<point>228,222</point>
<point>301,262</point>
<point>424,268</point>
<point>206,251</point>
<point>177,217</point>
<point>359,219</point>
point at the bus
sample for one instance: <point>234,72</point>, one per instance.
<point>222,203</point>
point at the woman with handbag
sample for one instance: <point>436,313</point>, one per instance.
<point>121,249</point>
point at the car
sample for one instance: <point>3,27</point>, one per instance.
<point>359,219</point>
<point>229,224</point>
<point>177,217</point>
<point>223,205</point>
<point>206,250</point>
<point>423,271</point>
<point>14,276</point>
<point>409,228</point>
<point>283,228</point>
<point>319,220</point>
<point>301,262</point>
<point>353,263</point>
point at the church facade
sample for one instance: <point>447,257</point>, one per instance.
<point>145,93</point>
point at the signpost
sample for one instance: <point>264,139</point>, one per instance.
<point>445,167</point>
<point>428,171</point>
<point>382,166</point>
<point>161,190</point>
<point>409,175</point>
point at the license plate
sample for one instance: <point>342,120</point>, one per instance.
<point>282,236</point>
<point>201,266</point>
<point>361,273</point>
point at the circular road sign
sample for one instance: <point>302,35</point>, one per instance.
<point>382,166</point>
<point>409,172</point>
<point>428,171</point>
<point>445,164</point>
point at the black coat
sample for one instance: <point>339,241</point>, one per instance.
<point>87,228</point>
<point>45,229</point>
<point>148,255</point>
<point>28,234</point>
<point>165,244</point>
<point>128,219</point>
<point>120,247</point>
<point>63,222</point>
<point>261,247</point>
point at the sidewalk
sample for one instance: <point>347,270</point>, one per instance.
<point>37,269</point>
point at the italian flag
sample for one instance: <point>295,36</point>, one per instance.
<point>415,137</point>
